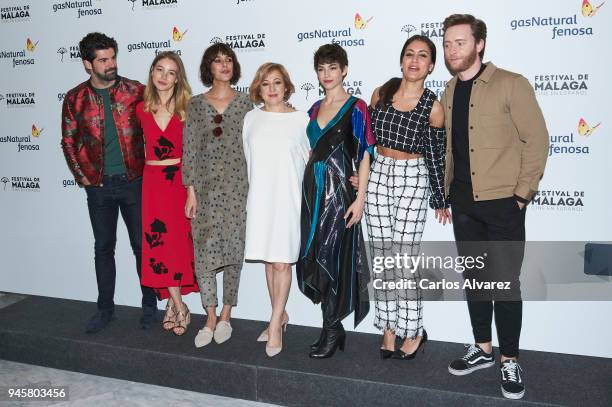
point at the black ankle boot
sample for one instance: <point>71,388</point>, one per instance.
<point>315,345</point>
<point>333,337</point>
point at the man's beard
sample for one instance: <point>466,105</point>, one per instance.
<point>467,62</point>
<point>108,75</point>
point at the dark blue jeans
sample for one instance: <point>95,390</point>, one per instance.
<point>116,194</point>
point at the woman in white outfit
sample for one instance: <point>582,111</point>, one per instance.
<point>276,150</point>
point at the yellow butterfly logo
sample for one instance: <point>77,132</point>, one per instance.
<point>360,24</point>
<point>31,46</point>
<point>584,129</point>
<point>35,131</point>
<point>177,35</point>
<point>588,10</point>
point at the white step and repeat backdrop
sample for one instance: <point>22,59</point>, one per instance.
<point>46,240</point>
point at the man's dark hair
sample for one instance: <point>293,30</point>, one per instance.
<point>93,42</point>
<point>479,28</point>
<point>209,56</point>
<point>329,54</point>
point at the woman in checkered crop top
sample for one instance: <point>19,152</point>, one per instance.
<point>408,171</point>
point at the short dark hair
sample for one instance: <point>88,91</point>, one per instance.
<point>329,54</point>
<point>479,28</point>
<point>209,56</point>
<point>93,42</point>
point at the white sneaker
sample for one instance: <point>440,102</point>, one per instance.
<point>512,385</point>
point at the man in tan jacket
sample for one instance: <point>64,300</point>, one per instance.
<point>497,145</point>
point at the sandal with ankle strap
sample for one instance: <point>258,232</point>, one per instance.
<point>183,319</point>
<point>169,321</point>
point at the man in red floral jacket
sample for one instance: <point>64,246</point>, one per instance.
<point>104,149</point>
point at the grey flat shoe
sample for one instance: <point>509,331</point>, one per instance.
<point>223,332</point>
<point>204,337</point>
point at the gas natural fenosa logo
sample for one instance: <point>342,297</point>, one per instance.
<point>25,143</point>
<point>343,36</point>
<point>21,57</point>
<point>83,8</point>
<point>568,144</point>
<point>564,26</point>
<point>159,46</point>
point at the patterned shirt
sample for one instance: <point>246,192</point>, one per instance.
<point>411,132</point>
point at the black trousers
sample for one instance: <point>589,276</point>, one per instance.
<point>497,228</point>
<point>117,194</point>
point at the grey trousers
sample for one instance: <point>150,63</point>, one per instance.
<point>207,281</point>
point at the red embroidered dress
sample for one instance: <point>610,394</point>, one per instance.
<point>167,244</point>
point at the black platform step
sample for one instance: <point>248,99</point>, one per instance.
<point>50,332</point>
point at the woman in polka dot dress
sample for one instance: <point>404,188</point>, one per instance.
<point>214,168</point>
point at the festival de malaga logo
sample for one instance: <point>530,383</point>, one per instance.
<point>21,57</point>
<point>18,99</point>
<point>562,26</point>
<point>71,53</point>
<point>25,143</point>
<point>83,8</point>
<point>561,84</point>
<point>22,183</point>
<point>161,45</point>
<point>569,144</point>
<point>243,42</point>
<point>154,4</point>
<point>432,29</point>
<point>15,14</point>
<point>559,200</point>
<point>353,87</point>
<point>345,36</point>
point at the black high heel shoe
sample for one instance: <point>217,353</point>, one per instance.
<point>386,353</point>
<point>399,354</point>
<point>333,338</point>
<point>315,345</point>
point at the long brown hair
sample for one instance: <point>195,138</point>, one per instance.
<point>181,93</point>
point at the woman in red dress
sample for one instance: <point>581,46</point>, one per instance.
<point>167,250</point>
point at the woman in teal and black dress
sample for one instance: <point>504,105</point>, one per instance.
<point>333,267</point>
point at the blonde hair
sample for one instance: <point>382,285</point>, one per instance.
<point>262,73</point>
<point>181,93</point>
